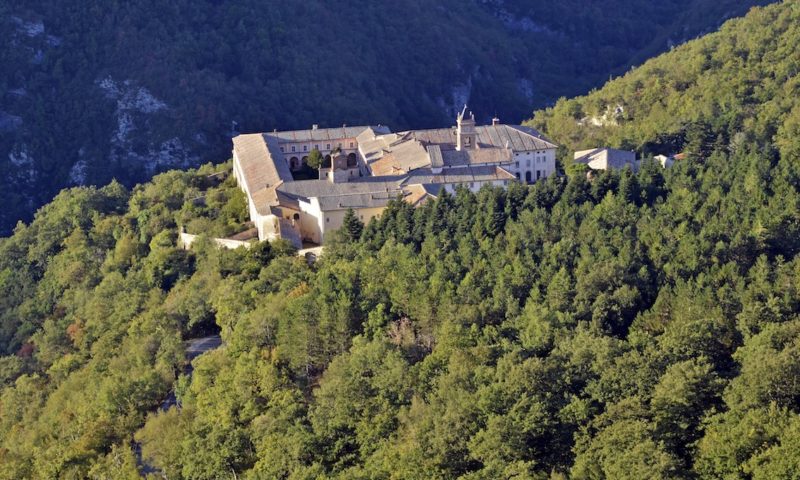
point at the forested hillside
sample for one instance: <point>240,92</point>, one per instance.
<point>92,90</point>
<point>621,326</point>
<point>725,90</point>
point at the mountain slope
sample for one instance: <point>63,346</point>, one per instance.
<point>631,325</point>
<point>739,85</point>
<point>96,90</point>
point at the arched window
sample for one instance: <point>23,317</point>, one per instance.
<point>351,160</point>
<point>294,163</point>
<point>528,176</point>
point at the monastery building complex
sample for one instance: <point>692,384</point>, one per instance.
<point>368,166</point>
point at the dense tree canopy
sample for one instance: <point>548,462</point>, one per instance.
<point>727,89</point>
<point>92,90</point>
<point>622,325</point>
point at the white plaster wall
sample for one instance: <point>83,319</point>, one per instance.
<point>309,222</point>
<point>187,240</point>
<point>255,217</point>
<point>530,161</point>
<point>332,220</point>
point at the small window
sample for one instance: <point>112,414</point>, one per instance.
<point>516,164</point>
<point>281,149</point>
<point>316,147</point>
<point>327,220</point>
<point>340,144</point>
<point>293,148</point>
<point>305,148</point>
<point>327,146</point>
<point>351,144</point>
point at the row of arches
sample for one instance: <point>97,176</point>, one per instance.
<point>295,163</point>
<point>529,176</point>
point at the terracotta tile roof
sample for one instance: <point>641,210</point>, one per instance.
<point>417,195</point>
<point>402,158</point>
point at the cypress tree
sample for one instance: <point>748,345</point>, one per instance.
<point>352,226</point>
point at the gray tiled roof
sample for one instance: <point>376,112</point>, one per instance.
<point>478,156</point>
<point>396,160</point>
<point>358,193</point>
<point>326,188</point>
<point>455,175</point>
<point>516,137</point>
<point>362,200</point>
<point>324,134</point>
<point>435,153</point>
<point>366,192</point>
<point>403,152</point>
<point>261,173</point>
<point>603,158</point>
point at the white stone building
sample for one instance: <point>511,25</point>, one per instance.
<point>606,158</point>
<point>370,166</point>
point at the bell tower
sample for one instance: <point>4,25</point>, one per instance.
<point>466,136</point>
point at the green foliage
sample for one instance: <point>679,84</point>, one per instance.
<point>623,325</point>
<point>126,90</point>
<point>721,92</point>
<point>351,226</point>
<point>315,159</point>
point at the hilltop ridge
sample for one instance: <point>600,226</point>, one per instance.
<point>607,326</point>
<point>93,90</point>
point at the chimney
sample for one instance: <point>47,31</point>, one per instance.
<point>314,127</point>
<point>495,121</point>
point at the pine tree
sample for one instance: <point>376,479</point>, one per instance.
<point>352,226</point>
